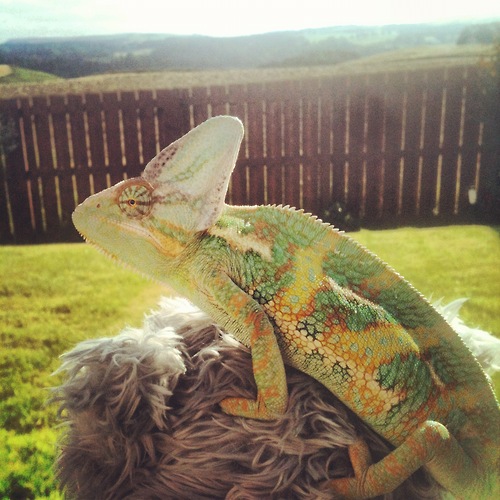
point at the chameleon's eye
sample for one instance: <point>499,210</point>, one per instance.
<point>135,200</point>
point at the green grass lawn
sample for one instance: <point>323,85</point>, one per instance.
<point>23,75</point>
<point>53,296</point>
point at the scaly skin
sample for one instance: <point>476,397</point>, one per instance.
<point>298,292</point>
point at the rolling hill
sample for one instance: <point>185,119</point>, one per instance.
<point>84,56</point>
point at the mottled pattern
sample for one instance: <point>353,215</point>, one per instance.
<point>296,291</point>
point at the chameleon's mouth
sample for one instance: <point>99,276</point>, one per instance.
<point>141,249</point>
<point>113,256</point>
<point>99,248</point>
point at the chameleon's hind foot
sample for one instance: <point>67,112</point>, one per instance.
<point>431,445</point>
<point>353,487</point>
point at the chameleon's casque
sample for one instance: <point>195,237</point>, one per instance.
<point>297,291</point>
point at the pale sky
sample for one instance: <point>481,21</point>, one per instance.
<point>22,18</point>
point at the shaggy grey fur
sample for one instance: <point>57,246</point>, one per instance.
<point>143,421</point>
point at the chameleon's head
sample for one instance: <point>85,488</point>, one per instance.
<point>144,221</point>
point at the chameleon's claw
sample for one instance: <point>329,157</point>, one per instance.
<point>352,487</point>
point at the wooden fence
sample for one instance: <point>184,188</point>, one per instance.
<point>394,148</point>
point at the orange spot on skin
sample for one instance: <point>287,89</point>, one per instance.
<point>238,302</point>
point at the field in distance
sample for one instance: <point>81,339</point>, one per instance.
<point>11,76</point>
<point>29,82</point>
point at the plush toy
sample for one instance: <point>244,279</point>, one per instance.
<point>143,420</point>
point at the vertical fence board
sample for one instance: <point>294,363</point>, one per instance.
<point>26,200</point>
<point>63,162</point>
<point>325,136</point>
<point>310,146</point>
<point>76,111</point>
<point>450,146</point>
<point>413,120</point>
<point>218,100</point>
<point>96,139</point>
<point>77,114</point>
<point>27,189</point>
<point>374,146</point>
<point>173,115</point>
<point>236,97</point>
<point>46,174</point>
<point>470,148</point>
<point>431,156</point>
<point>273,143</point>
<point>257,194</point>
<point>340,125</point>
<point>292,152</point>
<point>113,144</point>
<point>255,133</point>
<point>200,100</point>
<point>130,124</point>
<point>11,172</point>
<point>5,229</point>
<point>238,183</point>
<point>356,145</point>
<point>147,107</point>
<point>393,153</point>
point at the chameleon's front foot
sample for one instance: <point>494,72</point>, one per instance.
<point>249,408</point>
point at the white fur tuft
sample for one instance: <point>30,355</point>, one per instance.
<point>484,346</point>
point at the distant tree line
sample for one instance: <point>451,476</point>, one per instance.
<point>81,56</point>
<point>480,33</point>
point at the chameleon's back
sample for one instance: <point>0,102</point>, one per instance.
<point>348,320</point>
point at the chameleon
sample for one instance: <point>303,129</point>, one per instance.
<point>299,292</point>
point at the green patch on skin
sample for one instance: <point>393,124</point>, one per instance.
<point>411,313</point>
<point>396,373</point>
<point>226,221</point>
<point>443,371</point>
<point>319,316</point>
<point>280,255</point>
<point>240,225</point>
<point>269,284</point>
<point>323,299</point>
<point>360,316</point>
<point>357,314</point>
<point>402,374</point>
<point>294,229</point>
<point>344,265</point>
